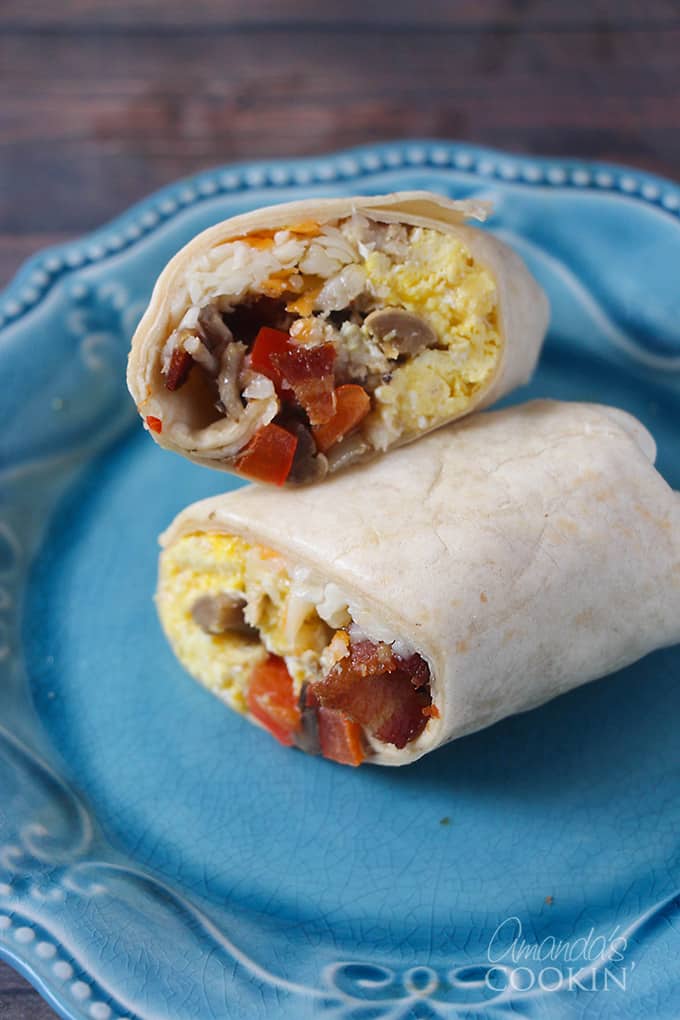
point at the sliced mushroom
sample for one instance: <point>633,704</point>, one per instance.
<point>400,332</point>
<point>215,332</point>
<point>308,465</point>
<point>307,736</point>
<point>222,614</point>
<point>351,449</point>
<point>202,355</point>
<point>228,387</point>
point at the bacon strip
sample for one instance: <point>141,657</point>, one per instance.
<point>387,695</point>
<point>308,372</point>
<point>181,364</point>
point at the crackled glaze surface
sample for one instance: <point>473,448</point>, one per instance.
<point>159,857</point>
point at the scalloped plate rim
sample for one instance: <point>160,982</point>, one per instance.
<point>658,187</point>
<point>663,187</point>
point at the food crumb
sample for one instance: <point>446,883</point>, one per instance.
<point>483,596</point>
<point>550,900</point>
<point>445,821</point>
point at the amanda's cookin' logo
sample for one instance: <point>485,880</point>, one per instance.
<point>591,962</point>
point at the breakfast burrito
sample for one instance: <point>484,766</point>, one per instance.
<point>429,594</point>
<point>289,342</point>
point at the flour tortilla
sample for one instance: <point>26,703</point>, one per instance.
<point>533,551</point>
<point>523,307</point>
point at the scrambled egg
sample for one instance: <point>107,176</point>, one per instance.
<point>441,282</point>
<point>212,563</point>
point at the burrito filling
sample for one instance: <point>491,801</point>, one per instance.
<point>295,352</point>
<point>280,645</point>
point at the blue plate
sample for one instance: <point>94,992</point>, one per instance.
<point>162,859</point>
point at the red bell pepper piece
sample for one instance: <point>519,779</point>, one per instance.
<point>272,701</point>
<point>352,404</point>
<point>295,369</point>
<point>268,457</point>
<point>155,424</point>
<point>341,738</point>
<point>267,342</point>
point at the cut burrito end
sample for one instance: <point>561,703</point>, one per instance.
<point>281,646</point>
<point>287,351</point>
<point>418,600</point>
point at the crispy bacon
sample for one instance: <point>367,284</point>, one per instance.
<point>418,670</point>
<point>372,657</point>
<point>382,692</point>
<point>181,364</point>
<point>370,691</point>
<point>308,372</point>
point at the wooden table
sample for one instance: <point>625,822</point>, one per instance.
<point>103,103</point>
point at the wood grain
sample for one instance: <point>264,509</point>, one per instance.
<point>511,15</point>
<point>18,1000</point>
<point>104,102</point>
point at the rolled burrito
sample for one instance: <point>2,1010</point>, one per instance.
<point>289,342</point>
<point>431,593</point>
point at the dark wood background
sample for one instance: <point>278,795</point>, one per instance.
<point>103,102</point>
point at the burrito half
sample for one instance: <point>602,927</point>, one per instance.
<point>470,577</point>
<point>289,342</point>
